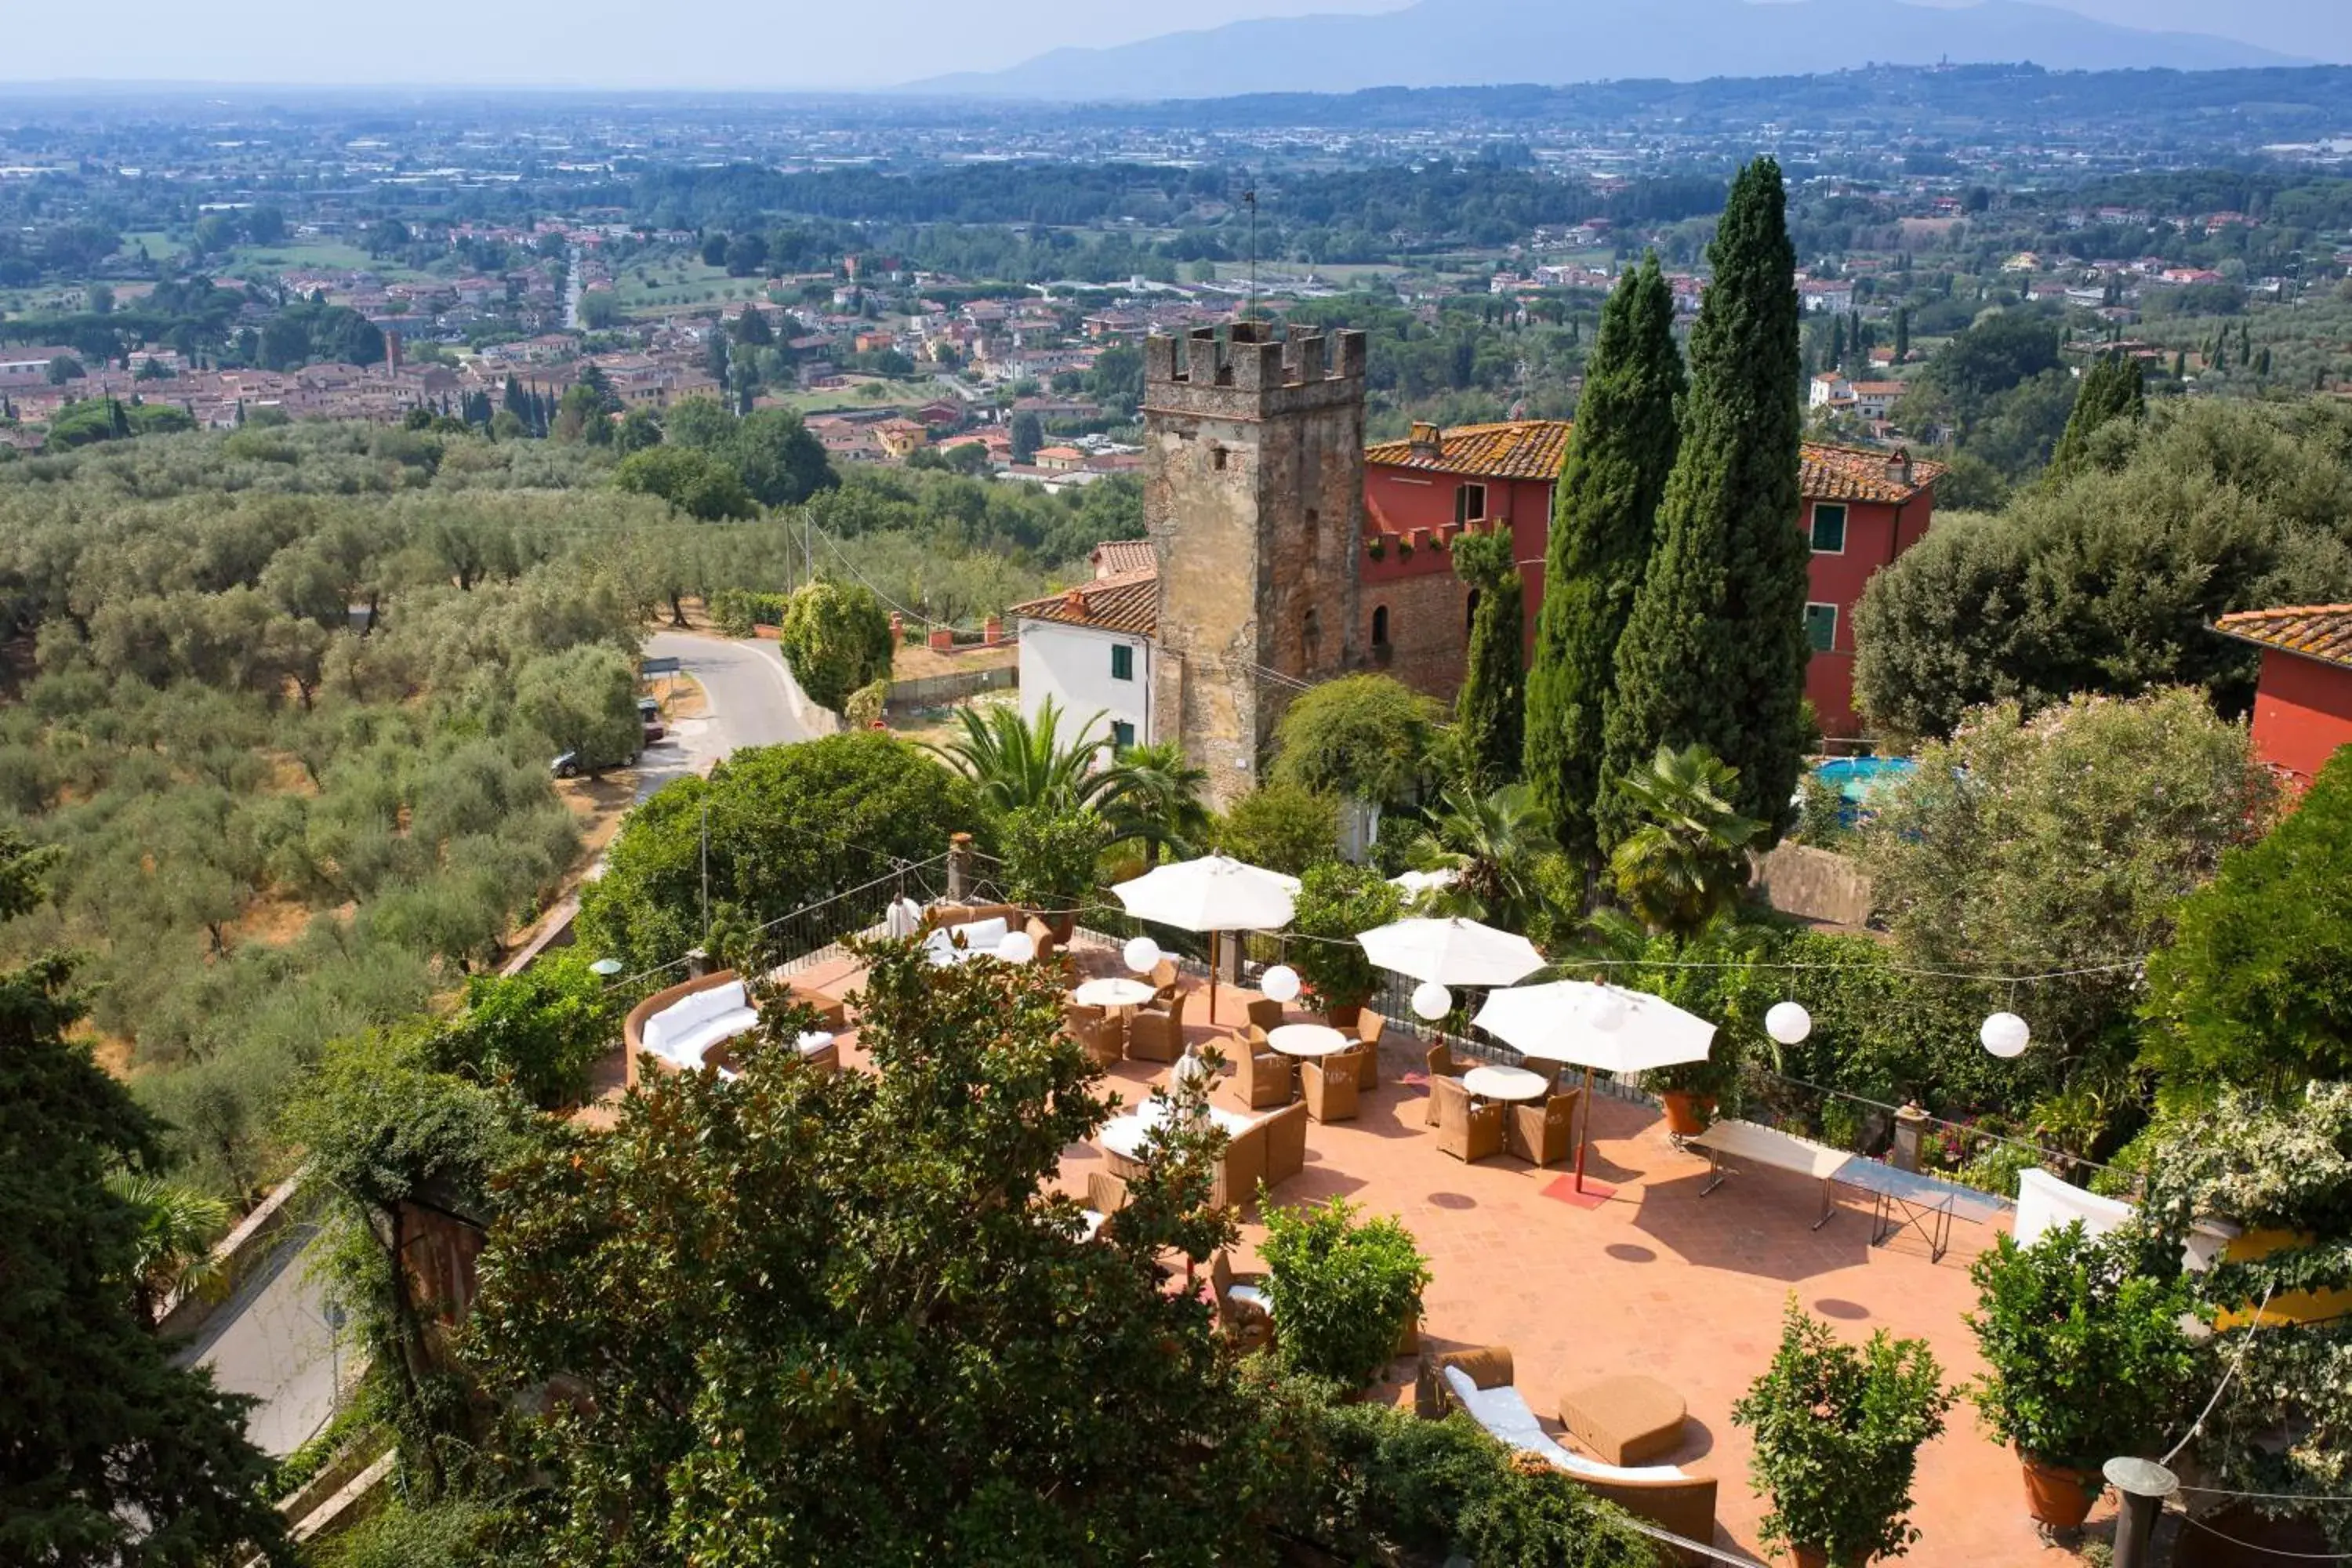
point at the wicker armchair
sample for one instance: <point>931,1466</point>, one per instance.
<point>1285,1143</point>
<point>1048,949</point>
<point>1330,1085</point>
<point>1369,1026</point>
<point>1105,1194</point>
<point>1440,1065</point>
<point>1101,1035</point>
<point>1262,1075</point>
<point>1163,979</point>
<point>1156,1035</point>
<point>1266,1013</point>
<point>1544,1134</point>
<point>1465,1131</point>
<point>1240,1169</point>
<point>1243,1309</point>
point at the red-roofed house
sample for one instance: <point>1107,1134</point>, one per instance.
<point>2303,700</point>
<point>1092,649</point>
<point>1861,509</point>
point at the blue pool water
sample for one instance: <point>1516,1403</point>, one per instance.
<point>1858,778</point>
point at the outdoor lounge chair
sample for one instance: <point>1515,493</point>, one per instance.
<point>1479,1382</point>
<point>1286,1145</point>
<point>681,1026</point>
<point>1544,1133</point>
<point>1467,1131</point>
<point>1243,1308</point>
<point>1330,1086</point>
<point>1266,1013</point>
<point>1102,1037</point>
<point>1163,978</point>
<point>1262,1076</point>
<point>1156,1035</point>
<point>1240,1169</point>
<point>1440,1065</point>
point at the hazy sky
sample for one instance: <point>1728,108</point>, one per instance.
<point>777,44</point>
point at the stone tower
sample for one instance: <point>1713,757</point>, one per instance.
<point>1253,497</point>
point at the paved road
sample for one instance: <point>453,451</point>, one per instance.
<point>752,701</point>
<point>271,1340</point>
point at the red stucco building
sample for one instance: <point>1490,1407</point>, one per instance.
<point>1861,509</point>
<point>2302,701</point>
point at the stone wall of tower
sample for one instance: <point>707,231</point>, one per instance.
<point>1253,495</point>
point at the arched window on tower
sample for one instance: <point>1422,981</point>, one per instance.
<point>1470,615</point>
<point>1380,626</point>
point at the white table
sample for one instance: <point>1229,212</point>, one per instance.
<point>1307,1039</point>
<point>1123,1135</point>
<point>1113,993</point>
<point>1505,1083</point>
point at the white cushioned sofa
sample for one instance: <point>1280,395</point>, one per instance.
<point>680,1033</point>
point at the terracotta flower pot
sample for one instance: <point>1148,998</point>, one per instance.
<point>1344,1017</point>
<point>1815,1557</point>
<point>1688,1111</point>
<point>2055,1496</point>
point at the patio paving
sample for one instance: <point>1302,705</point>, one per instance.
<point>1655,1279</point>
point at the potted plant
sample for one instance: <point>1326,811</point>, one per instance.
<point>1347,1296</point>
<point>1049,861</point>
<point>2088,1361</point>
<point>1838,1431</point>
<point>1689,1090</point>
<point>1335,901</point>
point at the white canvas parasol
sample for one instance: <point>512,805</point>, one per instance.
<point>1452,952</point>
<point>1214,893</point>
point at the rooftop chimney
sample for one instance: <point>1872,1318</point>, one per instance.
<point>1426,441</point>
<point>1898,468</point>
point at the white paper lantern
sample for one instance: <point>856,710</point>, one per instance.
<point>1432,1001</point>
<point>2005,1034</point>
<point>1788,1023</point>
<point>1279,984</point>
<point>1016,947</point>
<point>1605,1012</point>
<point>1142,955</point>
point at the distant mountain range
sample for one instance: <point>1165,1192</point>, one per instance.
<point>1458,43</point>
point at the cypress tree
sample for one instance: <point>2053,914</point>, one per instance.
<point>1604,510</point>
<point>2113,388</point>
<point>1490,707</point>
<point>1715,650</point>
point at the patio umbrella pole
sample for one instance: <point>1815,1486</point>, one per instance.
<point>1213,978</point>
<point>1584,1131</point>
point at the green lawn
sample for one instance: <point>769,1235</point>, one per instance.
<point>160,246</point>
<point>678,283</point>
<point>326,254</point>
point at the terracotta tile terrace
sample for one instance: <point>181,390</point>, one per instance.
<point>1655,1279</point>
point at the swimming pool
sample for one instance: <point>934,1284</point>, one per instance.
<point>1856,779</point>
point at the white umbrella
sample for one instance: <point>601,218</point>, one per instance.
<point>1595,1027</point>
<point>1214,893</point>
<point>1452,952</point>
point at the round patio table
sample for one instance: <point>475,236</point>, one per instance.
<point>1112,992</point>
<point>1505,1083</point>
<point>1307,1039</point>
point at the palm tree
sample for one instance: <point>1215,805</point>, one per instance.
<point>1018,762</point>
<point>1491,843</point>
<point>1687,861</point>
<point>177,1226</point>
<point>1159,801</point>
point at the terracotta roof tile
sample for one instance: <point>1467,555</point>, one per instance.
<point>1128,602</point>
<point>1859,473</point>
<point>1521,449</point>
<point>1117,557</point>
<point>2323,632</point>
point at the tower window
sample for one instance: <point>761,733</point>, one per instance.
<point>1122,662</point>
<point>1821,627</point>
<point>1829,528</point>
<point>1469,503</point>
<point>1217,458</point>
<point>1380,626</point>
<point>1470,613</point>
